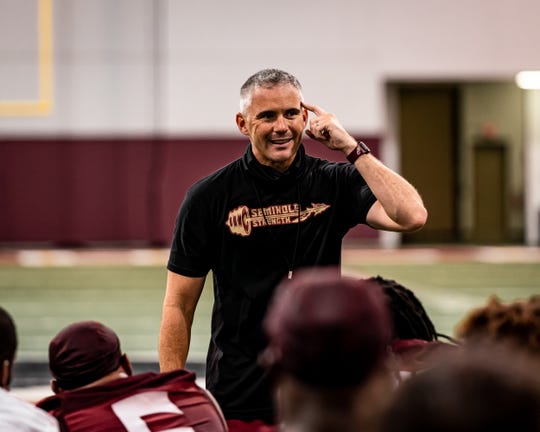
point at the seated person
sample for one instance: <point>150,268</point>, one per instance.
<point>473,390</point>
<point>16,415</point>
<point>415,341</point>
<point>515,323</point>
<point>327,340</point>
<point>95,389</point>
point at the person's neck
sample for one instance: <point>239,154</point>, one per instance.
<point>114,375</point>
<point>314,418</point>
<point>280,168</point>
<point>5,374</point>
<point>305,409</point>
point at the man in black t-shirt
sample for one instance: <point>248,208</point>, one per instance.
<point>259,219</point>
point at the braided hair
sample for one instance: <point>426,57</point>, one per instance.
<point>410,319</point>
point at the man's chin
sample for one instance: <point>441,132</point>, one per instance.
<point>283,155</point>
<point>289,148</point>
<point>282,160</point>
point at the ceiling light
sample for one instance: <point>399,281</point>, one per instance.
<point>529,80</point>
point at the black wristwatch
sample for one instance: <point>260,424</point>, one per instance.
<point>361,149</point>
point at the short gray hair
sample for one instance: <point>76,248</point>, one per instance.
<point>266,78</point>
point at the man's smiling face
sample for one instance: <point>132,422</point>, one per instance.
<point>274,122</point>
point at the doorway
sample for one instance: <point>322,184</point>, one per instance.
<point>428,134</point>
<point>473,193</point>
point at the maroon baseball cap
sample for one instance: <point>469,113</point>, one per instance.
<point>82,353</point>
<point>327,330</point>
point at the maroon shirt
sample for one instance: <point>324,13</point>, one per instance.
<point>145,402</point>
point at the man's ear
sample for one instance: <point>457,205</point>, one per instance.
<point>5,374</point>
<point>126,364</point>
<point>55,387</point>
<point>241,123</point>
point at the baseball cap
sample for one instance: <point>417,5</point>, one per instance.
<point>82,353</point>
<point>327,330</point>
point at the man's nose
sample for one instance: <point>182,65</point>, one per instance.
<point>280,125</point>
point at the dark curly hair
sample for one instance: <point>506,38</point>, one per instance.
<point>516,322</point>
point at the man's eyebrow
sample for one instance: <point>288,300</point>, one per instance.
<point>265,113</point>
<point>271,113</point>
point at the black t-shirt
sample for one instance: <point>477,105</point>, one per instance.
<point>241,222</point>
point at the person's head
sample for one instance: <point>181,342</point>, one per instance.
<point>488,390</point>
<point>516,323</point>
<point>86,353</point>
<point>409,318</point>
<point>272,116</point>
<point>8,347</point>
<point>327,338</point>
<point>415,346</point>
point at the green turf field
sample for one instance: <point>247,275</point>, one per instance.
<point>44,299</point>
<point>448,291</point>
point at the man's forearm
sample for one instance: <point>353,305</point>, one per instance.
<point>400,200</point>
<point>174,338</point>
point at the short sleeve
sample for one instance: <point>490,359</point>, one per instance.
<point>191,242</point>
<point>358,196</point>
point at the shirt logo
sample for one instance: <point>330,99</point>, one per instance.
<point>242,219</point>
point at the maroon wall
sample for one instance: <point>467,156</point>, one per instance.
<point>110,191</point>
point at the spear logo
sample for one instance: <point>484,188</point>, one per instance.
<point>242,219</point>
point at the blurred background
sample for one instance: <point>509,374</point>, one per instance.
<point>111,109</point>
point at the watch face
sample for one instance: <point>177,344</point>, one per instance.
<point>365,148</point>
<point>361,149</point>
